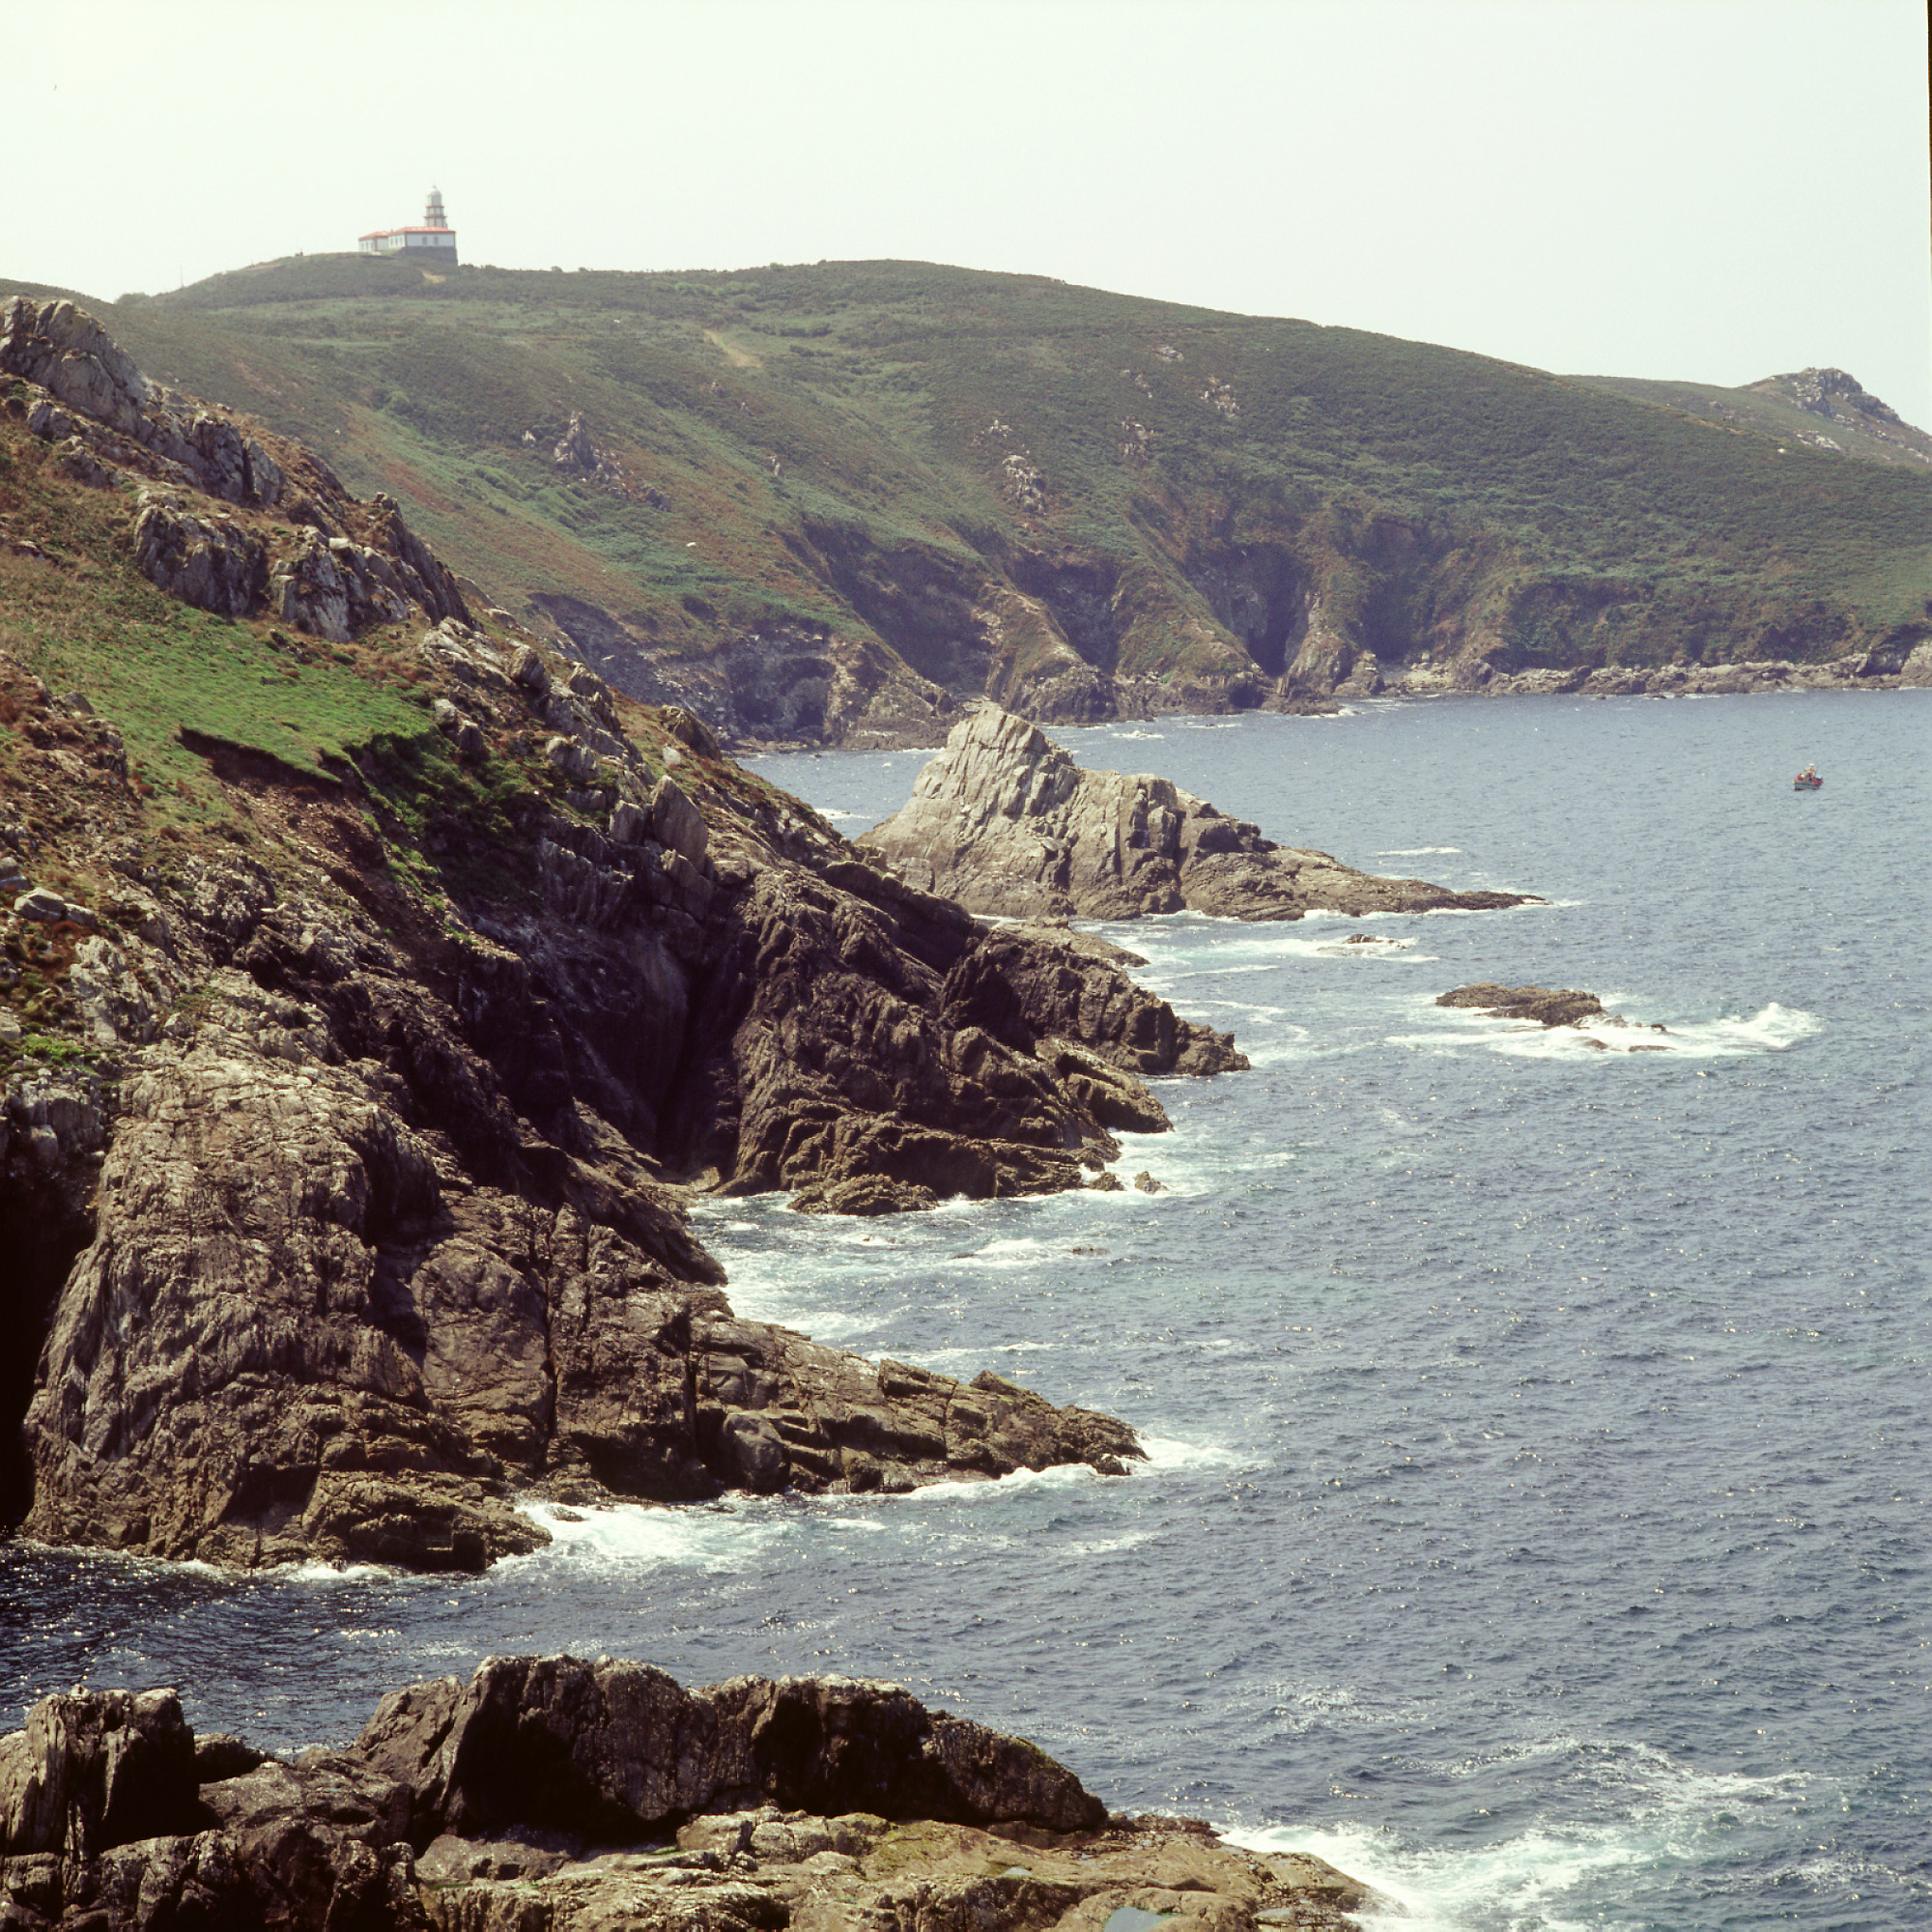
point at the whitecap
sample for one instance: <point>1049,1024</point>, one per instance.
<point>1170,1451</point>
<point>710,1536</point>
<point>316,1570</point>
<point>1515,1883</point>
<point>1415,851</point>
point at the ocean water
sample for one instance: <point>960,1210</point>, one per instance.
<point>1536,1514</point>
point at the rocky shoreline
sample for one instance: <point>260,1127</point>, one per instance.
<point>346,1111</point>
<point>548,1793</point>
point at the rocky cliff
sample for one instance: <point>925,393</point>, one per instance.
<point>368,1000</point>
<point>546,1793</point>
<point>1004,822</point>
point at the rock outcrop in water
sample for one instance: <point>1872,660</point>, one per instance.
<point>1005,822</point>
<point>1544,1006</point>
<point>344,1108</point>
<point>547,1793</point>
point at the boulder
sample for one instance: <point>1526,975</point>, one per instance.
<point>677,824</point>
<point>616,1750</point>
<point>308,590</point>
<point>1006,823</point>
<point>93,1769</point>
<point>41,904</point>
<point>209,561</point>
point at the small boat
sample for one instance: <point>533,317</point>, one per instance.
<point>1807,779</point>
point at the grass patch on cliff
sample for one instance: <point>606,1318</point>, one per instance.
<point>84,620</point>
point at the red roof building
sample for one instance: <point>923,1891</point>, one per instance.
<point>436,236</point>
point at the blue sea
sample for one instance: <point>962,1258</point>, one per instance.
<point>1535,1521</point>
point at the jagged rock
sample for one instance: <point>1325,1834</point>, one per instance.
<point>692,731</point>
<point>308,590</point>
<point>775,1410</point>
<point>677,823</point>
<point>1147,1183</point>
<point>155,1884</point>
<point>826,1033</point>
<point>525,1799</point>
<point>465,734</point>
<point>211,562</point>
<point>69,353</point>
<point>96,1770</point>
<point>571,757</point>
<point>1006,823</point>
<point>377,1239</point>
<point>1020,983</point>
<point>78,464</point>
<point>865,1194</point>
<point>290,1338</point>
<point>529,671</point>
<point>612,1750</point>
<point>220,1755</point>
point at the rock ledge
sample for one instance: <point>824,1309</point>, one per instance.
<point>549,1793</point>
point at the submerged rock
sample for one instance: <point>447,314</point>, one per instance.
<point>1006,823</point>
<point>548,1793</point>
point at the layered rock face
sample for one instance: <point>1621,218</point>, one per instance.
<point>1005,822</point>
<point>550,1793</point>
<point>344,563</point>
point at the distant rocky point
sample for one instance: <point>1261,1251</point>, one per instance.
<point>547,1794</point>
<point>1004,822</point>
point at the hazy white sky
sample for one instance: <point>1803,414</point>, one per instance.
<point>1717,189</point>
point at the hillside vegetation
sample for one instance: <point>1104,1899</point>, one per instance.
<point>831,501</point>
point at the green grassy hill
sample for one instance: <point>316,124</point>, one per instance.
<point>828,496</point>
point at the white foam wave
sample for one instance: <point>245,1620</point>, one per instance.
<point>1514,1884</point>
<point>1654,1811</point>
<point>316,1570</point>
<point>1771,1029</point>
<point>1170,1451</point>
<point>1013,1251</point>
<point>709,1537</point>
<point>978,1355</point>
<point>1415,851</point>
<point>965,1493</point>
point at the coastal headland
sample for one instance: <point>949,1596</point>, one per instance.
<point>834,503</point>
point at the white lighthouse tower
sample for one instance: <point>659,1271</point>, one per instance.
<point>434,240</point>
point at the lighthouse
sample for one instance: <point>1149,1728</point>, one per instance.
<point>434,240</point>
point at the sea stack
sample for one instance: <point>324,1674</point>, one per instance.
<point>1004,822</point>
